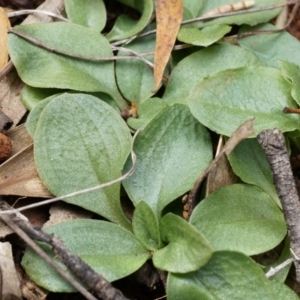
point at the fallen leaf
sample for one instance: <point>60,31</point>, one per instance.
<point>20,138</point>
<point>168,18</point>
<point>62,211</point>
<point>10,284</point>
<point>4,25</point>
<point>18,176</point>
<point>220,175</point>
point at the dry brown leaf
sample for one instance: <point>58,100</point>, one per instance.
<point>220,175</point>
<point>9,283</point>
<point>18,176</point>
<point>4,26</point>
<point>10,102</point>
<point>62,211</point>
<point>168,19</point>
<point>20,138</point>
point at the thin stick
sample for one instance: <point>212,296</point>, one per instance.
<point>274,271</point>
<point>46,257</point>
<point>41,44</point>
<point>78,267</point>
<point>273,144</point>
<point>87,190</point>
<point>38,11</point>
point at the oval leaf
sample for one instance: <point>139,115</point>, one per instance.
<point>226,99</point>
<point>292,73</point>
<point>192,69</point>
<point>109,249</point>
<point>249,162</point>
<point>31,96</point>
<point>89,13</point>
<point>134,77</point>
<point>204,37</point>
<point>228,275</point>
<point>145,226</point>
<point>126,27</point>
<point>287,47</point>
<point>241,218</point>
<point>34,116</point>
<point>187,249</point>
<point>38,67</point>
<point>172,151</point>
<point>81,142</point>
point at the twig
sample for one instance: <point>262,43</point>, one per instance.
<point>274,271</point>
<point>7,219</point>
<point>273,144</point>
<point>41,44</point>
<point>38,11</point>
<point>245,130</point>
<point>84,272</point>
<point>87,190</point>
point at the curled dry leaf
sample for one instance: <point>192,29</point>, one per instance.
<point>5,147</point>
<point>168,18</point>
<point>18,176</point>
<point>4,25</point>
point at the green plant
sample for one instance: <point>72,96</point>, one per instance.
<point>80,140</point>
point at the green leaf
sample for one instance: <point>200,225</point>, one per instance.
<point>31,96</point>
<point>283,292</point>
<point>126,27</point>
<point>91,13</point>
<point>192,7</point>
<point>109,249</point>
<point>292,73</point>
<point>147,110</point>
<point>38,67</point>
<point>203,37</point>
<point>187,249</point>
<point>81,142</point>
<point>200,64</point>
<point>240,217</point>
<point>249,162</point>
<point>224,100</point>
<point>34,116</point>
<point>145,226</point>
<point>287,47</point>
<point>135,78</point>
<point>172,151</point>
<point>250,19</point>
<point>228,275</point>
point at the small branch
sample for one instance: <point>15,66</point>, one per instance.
<point>36,11</point>
<point>273,144</point>
<point>41,44</point>
<point>7,219</point>
<point>244,131</point>
<point>84,272</point>
<point>274,271</point>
